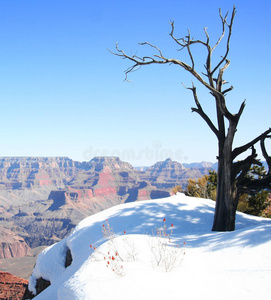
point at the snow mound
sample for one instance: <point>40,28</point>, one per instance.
<point>210,265</point>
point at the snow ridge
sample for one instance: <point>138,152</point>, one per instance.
<point>239,259</point>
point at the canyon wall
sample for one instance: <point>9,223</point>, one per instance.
<point>43,198</point>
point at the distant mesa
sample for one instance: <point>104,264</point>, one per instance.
<point>59,199</point>
<point>203,164</point>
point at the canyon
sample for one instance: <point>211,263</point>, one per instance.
<point>43,198</point>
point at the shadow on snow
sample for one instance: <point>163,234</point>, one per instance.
<point>190,226</point>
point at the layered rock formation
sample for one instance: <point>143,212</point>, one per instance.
<point>28,172</point>
<point>12,245</point>
<point>167,174</point>
<point>12,287</point>
<point>42,199</point>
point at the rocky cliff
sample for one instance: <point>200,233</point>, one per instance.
<point>27,179</point>
<point>11,287</point>
<point>42,199</point>
<point>167,174</point>
<point>29,172</point>
<point>12,245</point>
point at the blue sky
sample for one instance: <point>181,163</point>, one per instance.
<point>62,93</point>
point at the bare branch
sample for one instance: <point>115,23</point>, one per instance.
<point>186,42</point>
<point>228,40</point>
<point>241,109</point>
<point>217,92</point>
<point>200,111</point>
<point>249,184</point>
<point>140,61</point>
<point>223,28</point>
<point>239,150</point>
<point>221,102</point>
<point>160,52</point>
<point>227,90</point>
<point>160,60</point>
<point>189,51</point>
<point>219,80</point>
<point>175,39</point>
<point>207,35</point>
<point>242,167</point>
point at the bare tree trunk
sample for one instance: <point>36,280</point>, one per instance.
<point>224,218</point>
<point>225,212</point>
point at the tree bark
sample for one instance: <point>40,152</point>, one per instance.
<point>225,212</point>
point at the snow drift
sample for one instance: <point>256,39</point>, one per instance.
<point>210,265</point>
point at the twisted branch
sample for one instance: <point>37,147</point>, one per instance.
<point>237,151</point>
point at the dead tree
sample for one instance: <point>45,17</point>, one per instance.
<point>232,174</point>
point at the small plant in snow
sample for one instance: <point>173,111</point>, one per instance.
<point>165,253</point>
<point>112,258</point>
<point>109,234</point>
<point>113,262</point>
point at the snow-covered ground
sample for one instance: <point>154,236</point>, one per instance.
<point>210,265</point>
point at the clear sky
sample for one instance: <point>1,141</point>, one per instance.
<point>63,94</point>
